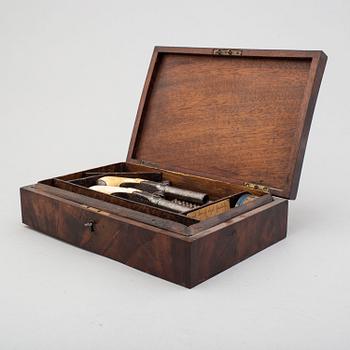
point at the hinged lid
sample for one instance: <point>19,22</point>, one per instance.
<point>229,114</point>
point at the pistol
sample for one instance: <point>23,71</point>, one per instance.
<point>141,197</point>
<point>163,188</point>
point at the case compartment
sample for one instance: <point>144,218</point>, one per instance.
<point>78,183</point>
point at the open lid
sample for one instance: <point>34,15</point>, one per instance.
<point>229,114</point>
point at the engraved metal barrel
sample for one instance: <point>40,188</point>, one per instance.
<point>159,202</point>
<point>174,192</point>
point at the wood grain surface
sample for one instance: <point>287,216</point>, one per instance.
<point>242,118</point>
<point>184,260</point>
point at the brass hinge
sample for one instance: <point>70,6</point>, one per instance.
<point>145,162</point>
<point>227,52</point>
<point>253,186</point>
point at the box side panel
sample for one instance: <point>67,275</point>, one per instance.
<point>138,246</point>
<point>221,249</point>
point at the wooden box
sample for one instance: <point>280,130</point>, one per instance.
<point>220,121</point>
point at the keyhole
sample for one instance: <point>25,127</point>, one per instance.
<point>90,224</point>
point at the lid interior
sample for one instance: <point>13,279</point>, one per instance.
<point>235,118</point>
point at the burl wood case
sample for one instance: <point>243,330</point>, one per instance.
<point>219,121</point>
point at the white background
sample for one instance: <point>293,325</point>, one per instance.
<point>71,75</point>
